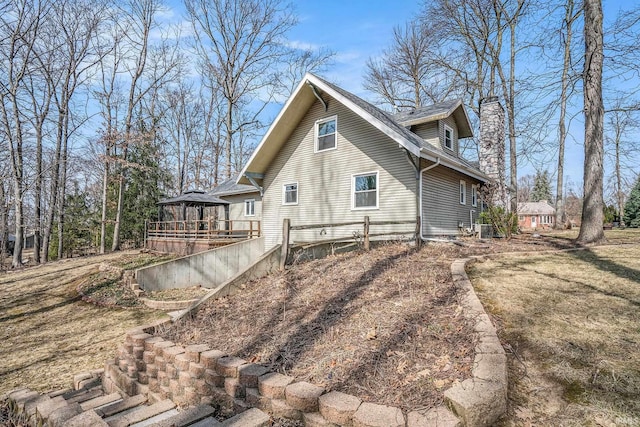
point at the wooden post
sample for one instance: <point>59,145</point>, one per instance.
<point>285,243</point>
<point>366,233</point>
<point>250,229</point>
<point>418,238</point>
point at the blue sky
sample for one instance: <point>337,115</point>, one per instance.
<point>357,30</point>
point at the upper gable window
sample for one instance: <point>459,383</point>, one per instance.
<point>448,138</point>
<point>326,134</point>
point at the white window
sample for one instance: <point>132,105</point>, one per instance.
<point>250,207</point>
<point>448,137</point>
<point>290,194</point>
<point>326,133</point>
<point>474,195</point>
<point>463,193</point>
<point>365,190</point>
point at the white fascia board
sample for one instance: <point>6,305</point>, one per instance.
<point>272,127</point>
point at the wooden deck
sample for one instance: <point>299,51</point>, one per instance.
<point>189,237</point>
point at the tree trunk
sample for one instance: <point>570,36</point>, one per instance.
<point>592,207</point>
<point>55,180</point>
<point>63,186</point>
<point>562,129</point>
<point>4,225</point>
<point>105,188</point>
<point>619,192</point>
<point>229,136</point>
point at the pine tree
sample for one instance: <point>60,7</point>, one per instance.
<point>541,187</point>
<point>632,207</point>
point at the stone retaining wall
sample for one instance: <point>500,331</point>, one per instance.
<point>195,374</point>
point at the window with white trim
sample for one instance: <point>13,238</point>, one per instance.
<point>326,134</point>
<point>290,194</point>
<point>474,195</point>
<point>463,192</point>
<point>448,137</point>
<point>250,207</point>
<point>365,190</point>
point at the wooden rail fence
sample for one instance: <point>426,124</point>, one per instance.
<point>366,233</point>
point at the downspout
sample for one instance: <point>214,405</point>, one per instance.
<point>437,163</point>
<point>416,168</point>
<point>317,95</point>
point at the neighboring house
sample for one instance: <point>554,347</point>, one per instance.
<point>536,215</point>
<point>245,201</point>
<point>331,157</point>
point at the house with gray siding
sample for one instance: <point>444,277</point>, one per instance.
<point>245,201</point>
<point>331,157</point>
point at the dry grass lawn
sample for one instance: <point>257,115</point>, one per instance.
<point>572,323</point>
<point>47,333</point>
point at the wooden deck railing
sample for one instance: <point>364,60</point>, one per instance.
<point>204,230</point>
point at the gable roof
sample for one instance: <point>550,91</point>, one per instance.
<point>535,208</point>
<point>305,95</point>
<point>438,111</point>
<point>193,197</point>
<point>231,188</point>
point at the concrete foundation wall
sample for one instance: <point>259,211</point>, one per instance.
<point>209,269</point>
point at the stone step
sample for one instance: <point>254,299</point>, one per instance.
<point>141,413</point>
<point>123,405</point>
<point>157,419</point>
<point>86,395</point>
<point>100,401</point>
<point>207,422</point>
<point>253,417</point>
<point>187,417</point>
<point>85,419</point>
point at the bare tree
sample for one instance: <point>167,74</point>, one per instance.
<point>242,43</point>
<point>19,30</point>
<point>73,27</point>
<point>571,14</point>
<point>406,75</point>
<point>592,210</point>
<point>622,151</point>
<point>138,19</point>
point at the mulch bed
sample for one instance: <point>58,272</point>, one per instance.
<point>383,325</point>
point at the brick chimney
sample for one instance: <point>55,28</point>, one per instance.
<point>492,147</point>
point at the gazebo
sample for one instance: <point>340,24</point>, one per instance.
<point>189,230</point>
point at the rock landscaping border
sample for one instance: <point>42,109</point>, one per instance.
<point>196,374</point>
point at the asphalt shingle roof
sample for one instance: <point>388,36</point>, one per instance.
<point>390,120</point>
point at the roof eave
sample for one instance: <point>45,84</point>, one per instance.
<point>457,166</point>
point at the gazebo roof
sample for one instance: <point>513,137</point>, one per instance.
<point>193,198</point>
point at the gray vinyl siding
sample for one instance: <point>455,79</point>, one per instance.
<point>429,132</point>
<point>325,179</point>
<point>236,208</point>
<point>442,210</point>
